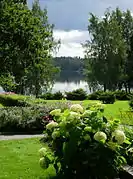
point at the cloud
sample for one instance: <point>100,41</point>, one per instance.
<point>71,42</point>
<point>73,14</point>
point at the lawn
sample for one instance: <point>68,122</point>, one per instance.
<point>19,160</point>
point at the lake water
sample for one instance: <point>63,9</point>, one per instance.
<point>68,81</point>
<point>70,86</point>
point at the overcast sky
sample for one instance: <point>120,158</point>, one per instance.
<point>70,19</point>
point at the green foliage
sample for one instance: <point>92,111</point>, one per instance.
<point>84,144</point>
<point>78,94</point>
<point>58,96</point>
<point>52,96</point>
<point>26,42</point>
<point>27,119</point>
<point>122,95</point>
<point>47,96</point>
<point>13,100</point>
<point>119,95</point>
<point>131,103</point>
<point>21,120</point>
<point>7,82</point>
<point>108,57</point>
<point>69,63</point>
<point>95,95</point>
<point>107,97</point>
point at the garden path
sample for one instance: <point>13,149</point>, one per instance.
<point>13,137</point>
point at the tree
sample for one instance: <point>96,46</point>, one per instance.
<point>26,43</point>
<point>125,20</point>
<point>105,53</point>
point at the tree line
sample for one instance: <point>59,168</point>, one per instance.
<point>74,64</point>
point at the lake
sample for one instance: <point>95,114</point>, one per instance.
<point>68,81</point>
<point>70,86</point>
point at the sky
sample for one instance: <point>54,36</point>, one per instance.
<point>70,18</point>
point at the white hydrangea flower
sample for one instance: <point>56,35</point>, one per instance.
<point>42,152</point>
<point>77,108</point>
<point>119,136</point>
<point>100,136</point>
<point>55,112</point>
<point>51,125</point>
<point>74,115</point>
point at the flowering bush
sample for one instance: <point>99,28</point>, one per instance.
<point>84,144</point>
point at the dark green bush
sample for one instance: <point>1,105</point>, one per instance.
<point>58,96</point>
<point>52,96</point>
<point>122,95</point>
<point>95,95</point>
<point>13,100</point>
<point>107,98</point>
<point>119,95</point>
<point>47,96</point>
<point>78,94</point>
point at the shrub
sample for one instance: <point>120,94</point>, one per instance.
<point>83,144</point>
<point>28,119</point>
<point>95,95</point>
<point>21,120</point>
<point>107,98</point>
<point>78,94</point>
<point>13,100</point>
<point>122,95</point>
<point>47,96</point>
<point>58,96</point>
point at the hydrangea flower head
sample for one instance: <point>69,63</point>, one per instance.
<point>42,152</point>
<point>119,136</point>
<point>74,115</point>
<point>55,112</point>
<point>100,136</point>
<point>51,125</point>
<point>77,108</point>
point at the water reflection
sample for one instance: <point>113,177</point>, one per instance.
<point>68,81</point>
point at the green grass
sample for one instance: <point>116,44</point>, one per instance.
<point>19,160</point>
<point>1,106</point>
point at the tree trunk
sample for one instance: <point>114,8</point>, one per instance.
<point>104,86</point>
<point>125,87</point>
